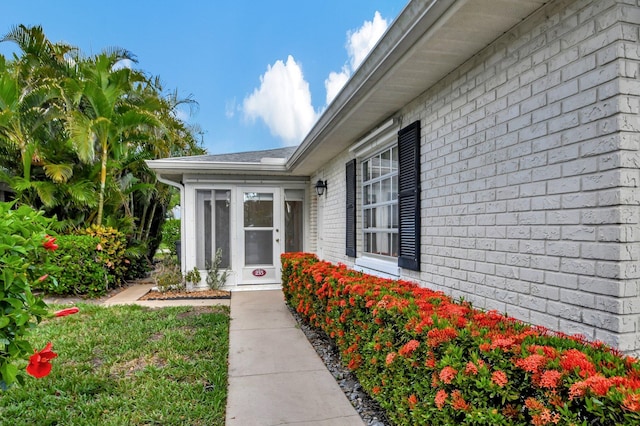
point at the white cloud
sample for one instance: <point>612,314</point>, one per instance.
<point>283,102</point>
<point>335,82</point>
<point>359,44</point>
<point>230,108</point>
<point>361,41</point>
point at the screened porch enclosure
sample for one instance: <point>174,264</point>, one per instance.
<point>251,227</point>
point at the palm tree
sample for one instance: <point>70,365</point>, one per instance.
<point>28,109</point>
<point>71,126</point>
<point>107,113</point>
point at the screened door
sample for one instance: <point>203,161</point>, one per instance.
<point>260,236</point>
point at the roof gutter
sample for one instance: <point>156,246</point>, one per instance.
<point>270,165</point>
<point>180,187</point>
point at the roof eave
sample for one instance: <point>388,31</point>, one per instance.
<point>175,166</point>
<point>394,44</point>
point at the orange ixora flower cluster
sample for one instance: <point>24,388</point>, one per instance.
<point>446,361</point>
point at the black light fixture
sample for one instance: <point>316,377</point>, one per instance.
<point>321,185</point>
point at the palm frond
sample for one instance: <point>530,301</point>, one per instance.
<point>58,172</point>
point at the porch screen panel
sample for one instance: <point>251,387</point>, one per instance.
<point>293,216</point>
<point>222,226</point>
<point>213,226</point>
<point>409,196</point>
<point>351,209</point>
<point>203,221</point>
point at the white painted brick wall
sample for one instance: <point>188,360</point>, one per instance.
<point>530,155</point>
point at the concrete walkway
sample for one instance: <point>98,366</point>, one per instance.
<point>275,375</point>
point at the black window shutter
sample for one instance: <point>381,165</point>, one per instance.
<point>351,208</point>
<point>409,196</point>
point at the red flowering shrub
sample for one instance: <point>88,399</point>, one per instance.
<point>428,360</point>
<point>26,250</point>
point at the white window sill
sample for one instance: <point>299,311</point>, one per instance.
<point>378,267</point>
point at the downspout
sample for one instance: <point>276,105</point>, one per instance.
<point>182,226</point>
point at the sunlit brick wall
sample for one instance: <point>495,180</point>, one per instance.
<point>530,173</point>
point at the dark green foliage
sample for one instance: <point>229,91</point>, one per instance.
<point>24,259</point>
<point>171,234</point>
<point>82,271</point>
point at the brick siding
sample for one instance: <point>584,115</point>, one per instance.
<point>529,152</point>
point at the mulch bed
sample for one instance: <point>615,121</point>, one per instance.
<point>186,295</point>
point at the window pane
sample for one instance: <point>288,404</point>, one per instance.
<point>389,222</point>
<point>365,171</point>
<point>394,159</point>
<point>258,210</point>
<point>386,190</point>
<point>382,244</point>
<point>376,197</point>
<point>258,247</point>
<point>367,242</point>
<point>385,163</point>
<point>394,216</point>
<point>394,187</point>
<point>394,245</point>
<point>375,167</point>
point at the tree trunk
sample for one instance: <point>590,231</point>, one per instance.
<point>103,184</point>
<point>150,221</point>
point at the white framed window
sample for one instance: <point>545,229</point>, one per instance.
<point>380,203</point>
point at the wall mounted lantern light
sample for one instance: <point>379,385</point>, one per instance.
<point>321,186</point>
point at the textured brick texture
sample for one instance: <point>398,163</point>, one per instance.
<point>529,152</point>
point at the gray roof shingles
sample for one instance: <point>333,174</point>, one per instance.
<point>242,157</point>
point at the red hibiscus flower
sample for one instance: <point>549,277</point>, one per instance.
<point>66,311</point>
<point>49,243</point>
<point>39,363</point>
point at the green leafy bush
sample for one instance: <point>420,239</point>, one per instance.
<point>429,360</point>
<point>111,250</point>
<point>25,247</point>
<point>83,272</point>
<point>170,235</point>
<point>91,263</point>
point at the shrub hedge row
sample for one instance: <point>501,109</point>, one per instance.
<point>428,360</point>
<point>89,264</point>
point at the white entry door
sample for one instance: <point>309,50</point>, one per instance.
<point>260,237</point>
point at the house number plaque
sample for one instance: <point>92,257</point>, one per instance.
<point>259,272</point>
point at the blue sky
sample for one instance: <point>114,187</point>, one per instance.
<point>260,70</point>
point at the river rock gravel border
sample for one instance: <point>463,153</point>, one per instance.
<point>367,408</point>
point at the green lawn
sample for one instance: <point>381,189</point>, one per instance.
<point>128,365</point>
